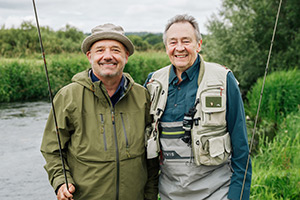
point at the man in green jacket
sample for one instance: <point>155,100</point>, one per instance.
<point>102,116</point>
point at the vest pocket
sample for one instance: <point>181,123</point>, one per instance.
<point>212,148</point>
<point>154,87</point>
<point>213,106</point>
<point>152,141</point>
<point>219,146</point>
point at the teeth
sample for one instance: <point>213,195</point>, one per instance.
<point>180,56</point>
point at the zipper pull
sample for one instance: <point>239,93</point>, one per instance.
<point>128,154</point>
<point>113,117</point>
<point>221,91</point>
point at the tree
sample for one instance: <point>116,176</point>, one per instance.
<point>239,37</point>
<point>139,43</point>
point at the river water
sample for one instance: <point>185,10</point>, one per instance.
<point>22,175</point>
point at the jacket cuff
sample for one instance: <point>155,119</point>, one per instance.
<point>60,181</point>
<point>235,192</point>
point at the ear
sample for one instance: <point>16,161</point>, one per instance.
<point>199,46</point>
<point>126,56</point>
<point>89,57</point>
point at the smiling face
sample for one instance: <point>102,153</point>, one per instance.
<point>107,58</point>
<point>182,46</point>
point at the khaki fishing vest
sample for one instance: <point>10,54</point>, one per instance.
<point>210,140</point>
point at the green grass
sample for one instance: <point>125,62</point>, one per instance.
<point>276,166</point>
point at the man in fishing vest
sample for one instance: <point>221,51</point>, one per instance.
<point>199,128</point>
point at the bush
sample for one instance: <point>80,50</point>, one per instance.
<point>25,79</point>
<point>22,80</point>
<point>281,96</point>
<point>141,64</point>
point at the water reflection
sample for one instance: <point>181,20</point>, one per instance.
<point>27,109</point>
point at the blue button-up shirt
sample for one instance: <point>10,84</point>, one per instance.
<point>118,93</point>
<point>182,96</point>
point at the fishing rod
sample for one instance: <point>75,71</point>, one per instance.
<point>261,94</point>
<point>50,95</point>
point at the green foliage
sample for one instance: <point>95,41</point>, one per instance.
<point>276,167</point>
<point>147,42</point>
<point>24,41</point>
<point>141,64</point>
<point>21,80</point>
<point>241,33</point>
<point>280,97</point>
<point>139,43</point>
<point>25,79</point>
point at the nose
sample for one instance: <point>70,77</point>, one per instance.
<point>107,55</point>
<point>179,46</point>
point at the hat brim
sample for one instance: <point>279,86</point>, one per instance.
<point>90,40</point>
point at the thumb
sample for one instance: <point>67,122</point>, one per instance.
<point>71,188</point>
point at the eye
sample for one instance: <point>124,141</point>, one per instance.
<point>99,50</point>
<point>116,50</point>
<point>186,41</point>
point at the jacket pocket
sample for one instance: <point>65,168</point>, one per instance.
<point>103,131</point>
<point>211,148</point>
<point>131,133</point>
<point>125,135</point>
<point>213,104</point>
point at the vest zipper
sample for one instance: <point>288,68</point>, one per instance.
<point>103,130</point>
<point>125,134</point>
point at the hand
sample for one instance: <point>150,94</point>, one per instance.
<point>64,194</point>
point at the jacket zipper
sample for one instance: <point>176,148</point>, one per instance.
<point>117,153</point>
<point>125,134</point>
<point>116,141</point>
<point>103,128</point>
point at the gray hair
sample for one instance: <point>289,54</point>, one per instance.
<point>183,18</point>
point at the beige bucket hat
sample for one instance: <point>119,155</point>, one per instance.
<point>107,31</point>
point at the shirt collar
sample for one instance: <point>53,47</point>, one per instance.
<point>121,88</point>
<point>189,73</point>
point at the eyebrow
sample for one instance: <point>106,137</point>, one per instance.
<point>103,46</point>
<point>183,38</point>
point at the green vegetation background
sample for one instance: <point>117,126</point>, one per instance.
<point>239,37</point>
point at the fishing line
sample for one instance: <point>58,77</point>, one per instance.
<point>50,96</point>
<point>261,94</point>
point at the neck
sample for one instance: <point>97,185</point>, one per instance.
<point>110,83</point>
<point>178,74</point>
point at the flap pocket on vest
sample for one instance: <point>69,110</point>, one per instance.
<point>211,148</point>
<point>219,145</point>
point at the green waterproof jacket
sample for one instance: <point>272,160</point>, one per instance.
<point>103,146</point>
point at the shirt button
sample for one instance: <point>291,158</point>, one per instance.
<point>175,105</point>
<point>178,88</point>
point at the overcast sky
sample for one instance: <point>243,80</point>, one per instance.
<point>132,15</point>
